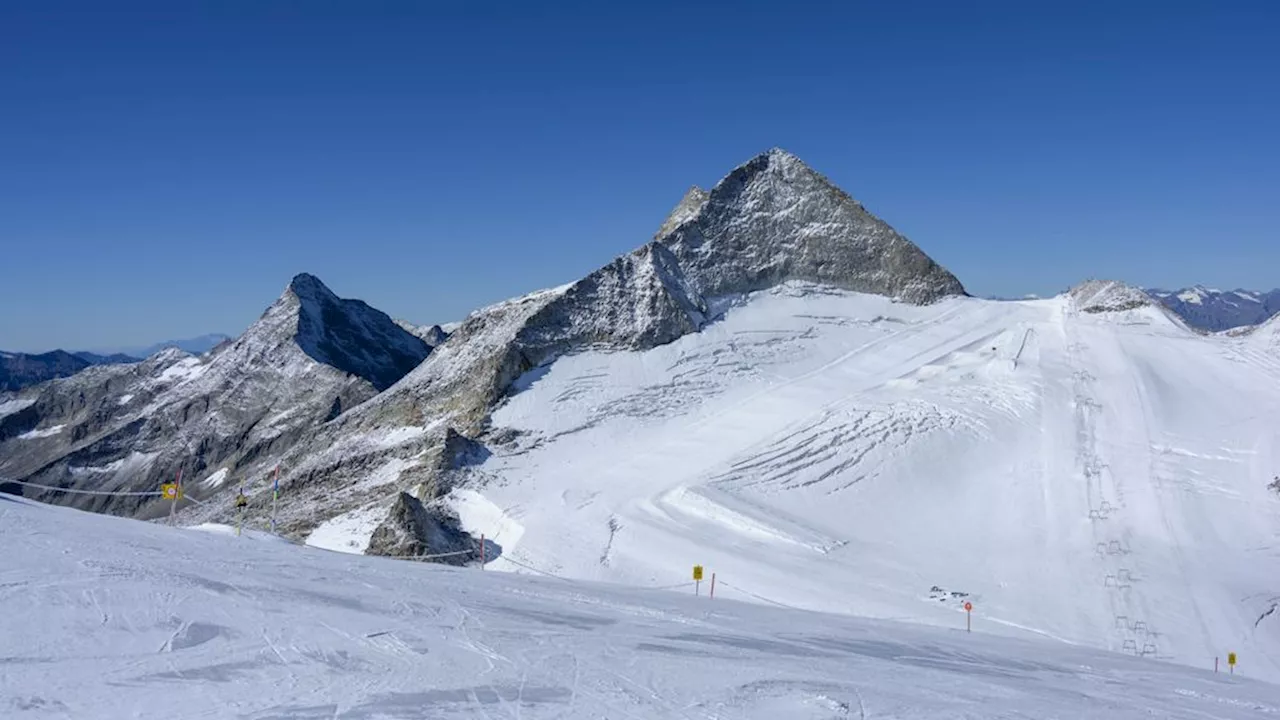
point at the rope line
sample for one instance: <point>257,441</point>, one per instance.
<point>758,597</point>
<point>513,561</point>
<point>428,557</point>
<point>81,492</point>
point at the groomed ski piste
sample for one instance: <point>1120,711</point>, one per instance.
<point>111,618</point>
<point>1096,478</point>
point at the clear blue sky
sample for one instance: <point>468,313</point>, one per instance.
<point>166,168</point>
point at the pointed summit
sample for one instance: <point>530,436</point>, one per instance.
<point>774,219</point>
<point>351,336</point>
<point>689,206</point>
<point>308,286</point>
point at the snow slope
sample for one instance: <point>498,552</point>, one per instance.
<point>1097,477</point>
<point>112,618</point>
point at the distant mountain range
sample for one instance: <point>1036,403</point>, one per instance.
<point>1216,310</point>
<point>198,345</point>
<point>19,370</point>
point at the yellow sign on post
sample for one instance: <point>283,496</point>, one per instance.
<point>1231,659</point>
<point>697,573</point>
<point>170,491</point>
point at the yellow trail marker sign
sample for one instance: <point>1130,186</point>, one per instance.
<point>170,491</point>
<point>697,573</point>
<point>1231,658</point>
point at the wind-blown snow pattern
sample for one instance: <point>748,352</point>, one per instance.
<point>1099,477</point>
<point>109,618</point>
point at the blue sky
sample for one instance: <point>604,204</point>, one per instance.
<point>166,168</point>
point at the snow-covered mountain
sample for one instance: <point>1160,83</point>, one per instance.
<point>778,387</point>
<point>770,221</point>
<point>1216,310</point>
<point>128,428</point>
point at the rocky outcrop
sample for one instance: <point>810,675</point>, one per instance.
<point>687,209</point>
<point>1101,296</point>
<point>775,219</point>
<point>414,529</point>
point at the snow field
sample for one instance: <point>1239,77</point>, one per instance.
<point>1098,478</point>
<point>111,618</point>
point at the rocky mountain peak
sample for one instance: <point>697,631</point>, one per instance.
<point>308,287</point>
<point>345,334</point>
<point>774,219</point>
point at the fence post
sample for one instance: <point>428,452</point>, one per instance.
<point>712,594</point>
<point>275,498</point>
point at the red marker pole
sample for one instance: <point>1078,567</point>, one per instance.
<point>968,616</point>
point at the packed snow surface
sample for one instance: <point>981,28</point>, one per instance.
<point>1100,478</point>
<point>348,532</point>
<point>111,618</point>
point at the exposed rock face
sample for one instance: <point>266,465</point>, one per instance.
<point>775,219</point>
<point>351,336</point>
<point>687,209</point>
<point>413,529</point>
<point>1099,296</point>
<point>443,467</point>
<point>132,427</point>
